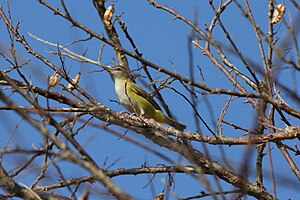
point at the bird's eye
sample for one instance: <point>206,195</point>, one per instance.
<point>120,69</point>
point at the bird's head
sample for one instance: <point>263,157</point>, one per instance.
<point>118,72</point>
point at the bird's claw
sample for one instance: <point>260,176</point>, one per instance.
<point>124,112</point>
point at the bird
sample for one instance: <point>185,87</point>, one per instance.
<point>136,100</point>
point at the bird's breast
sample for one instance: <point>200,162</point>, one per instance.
<point>122,95</point>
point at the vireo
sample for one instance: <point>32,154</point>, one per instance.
<point>136,100</point>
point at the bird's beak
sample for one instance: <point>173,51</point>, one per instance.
<point>107,68</point>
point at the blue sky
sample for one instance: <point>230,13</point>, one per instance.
<point>164,41</point>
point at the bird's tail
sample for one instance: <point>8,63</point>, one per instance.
<point>160,117</point>
<point>176,124</point>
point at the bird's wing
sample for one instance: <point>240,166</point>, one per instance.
<point>138,90</point>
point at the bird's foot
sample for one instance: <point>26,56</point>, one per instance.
<point>132,116</point>
<point>137,117</point>
<point>124,112</point>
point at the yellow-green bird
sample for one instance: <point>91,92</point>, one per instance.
<point>136,100</point>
